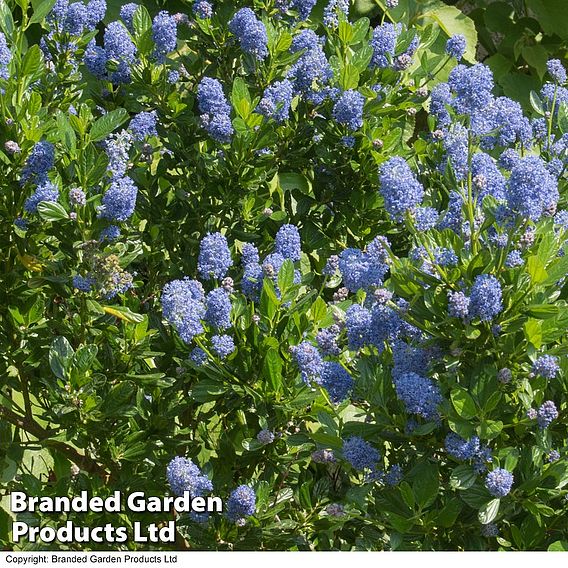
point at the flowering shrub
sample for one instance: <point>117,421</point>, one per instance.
<point>309,263</point>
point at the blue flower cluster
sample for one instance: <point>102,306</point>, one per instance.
<point>241,504</point>
<point>143,125</point>
<point>546,366</point>
<point>332,11</point>
<point>312,73</point>
<point>486,298</point>
<point>420,395</point>
<point>399,187</point>
<point>5,57</point>
<point>183,306</point>
<point>76,18</point>
<point>119,200</point>
<point>214,257</point>
<point>546,414</point>
<point>183,475</point>
<point>38,163</point>
<point>118,47</point>
<point>499,482</point>
<point>250,32</point>
<point>215,110</point>
<point>218,308</point>
<point>47,191</point>
<point>222,345</point>
<point>164,34</point>
<point>288,243</point>
<point>202,9</point>
<point>348,109</point>
<point>276,101</point>
<point>455,46</point>
<point>360,454</point>
<point>466,450</point>
<point>364,269</point>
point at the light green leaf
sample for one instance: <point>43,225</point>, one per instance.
<point>107,124</point>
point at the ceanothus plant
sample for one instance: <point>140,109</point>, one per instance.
<point>309,262</point>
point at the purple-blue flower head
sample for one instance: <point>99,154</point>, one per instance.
<point>348,110</point>
<point>202,9</point>
<point>360,454</point>
<point>127,15</point>
<point>531,189</point>
<point>455,46</point>
<point>276,101</point>
<point>183,306</point>
<point>5,57</point>
<point>309,361</point>
<point>164,34</point>
<point>241,504</point>
<point>336,380</point>
<point>183,475</point>
<point>119,200</point>
<point>214,257</point>
<point>556,71</point>
<point>250,32</point>
<point>47,191</point>
<point>222,345</point>
<point>38,163</point>
<point>472,86</point>
<point>546,366</point>
<point>383,43</point>
<point>400,189</point>
<point>485,298</point>
<point>288,242</point>
<point>499,482</point>
<point>218,305</point>
<point>143,125</point>
<point>420,395</point>
<point>546,414</point>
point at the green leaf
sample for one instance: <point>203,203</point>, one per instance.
<point>349,77</point>
<point>536,103</point>
<point>240,92</point>
<point>360,29</point>
<point>66,132</point>
<point>84,357</point>
<point>119,399</point>
<point>490,429</point>
<point>463,403</point>
<point>6,19</point>
<point>60,356</point>
<point>533,332</point>
<point>32,62</point>
<point>488,512</point>
<point>552,15</point>
<point>345,31</point>
<point>542,311</point>
<point>462,477</point>
<point>273,369</point>
<point>536,269</point>
<point>454,21</point>
<point>141,21</point>
<point>426,485</point>
<point>362,57</point>
<point>108,123</point>
<point>286,277</point>
<point>558,546</point>
<point>50,211</point>
<point>318,310</point>
<point>407,495</point>
<point>41,9</point>
<point>124,314</point>
<point>448,515</point>
<point>289,181</point>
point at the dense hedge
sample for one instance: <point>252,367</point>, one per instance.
<point>280,253</point>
